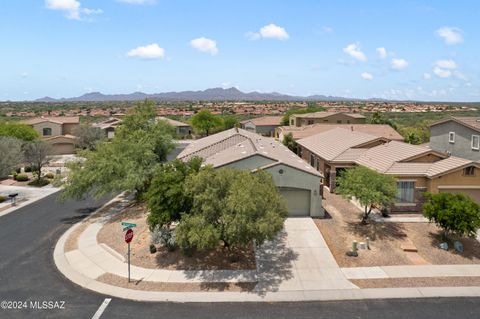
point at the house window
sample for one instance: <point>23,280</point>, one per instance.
<point>475,142</point>
<point>339,121</point>
<point>451,137</point>
<point>312,160</point>
<point>300,152</point>
<point>405,192</point>
<point>292,122</point>
<point>469,171</point>
<point>310,122</point>
<point>47,131</point>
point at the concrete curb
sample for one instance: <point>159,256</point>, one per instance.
<point>64,267</point>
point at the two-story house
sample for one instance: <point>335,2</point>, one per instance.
<point>326,118</point>
<point>457,136</point>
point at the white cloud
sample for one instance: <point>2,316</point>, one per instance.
<point>270,31</point>
<point>427,76</point>
<point>366,76</point>
<point>382,53</point>
<point>72,8</point>
<point>442,73</point>
<point>399,64</point>
<point>24,74</point>
<point>446,64</point>
<point>327,29</point>
<point>450,35</point>
<point>204,45</point>
<point>354,51</point>
<point>150,52</point>
<point>137,1</point>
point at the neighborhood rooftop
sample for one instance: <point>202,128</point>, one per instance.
<point>59,120</point>
<point>327,114</point>
<point>473,122</point>
<point>380,130</point>
<point>173,122</point>
<point>265,120</point>
<point>235,144</point>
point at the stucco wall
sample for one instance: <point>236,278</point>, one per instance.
<point>70,128</point>
<point>454,179</point>
<point>56,128</point>
<point>335,119</point>
<point>266,130</point>
<point>463,140</point>
<point>250,163</point>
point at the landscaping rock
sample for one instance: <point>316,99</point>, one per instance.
<point>458,246</point>
<point>443,246</point>
<point>352,253</point>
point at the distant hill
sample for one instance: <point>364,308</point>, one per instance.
<point>214,94</point>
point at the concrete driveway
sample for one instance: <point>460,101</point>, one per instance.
<point>299,260</point>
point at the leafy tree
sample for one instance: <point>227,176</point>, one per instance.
<point>289,142</point>
<point>21,131</point>
<point>166,196</point>
<point>379,118</point>
<point>370,188</point>
<point>36,154</point>
<point>12,154</point>
<point>411,136</point>
<point>205,122</point>
<point>455,213</point>
<point>126,162</point>
<point>88,136</point>
<point>233,206</point>
<point>311,108</point>
<point>229,121</point>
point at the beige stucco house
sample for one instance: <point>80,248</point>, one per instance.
<point>264,125</point>
<point>58,132</point>
<point>418,169</point>
<point>326,118</point>
<point>298,182</point>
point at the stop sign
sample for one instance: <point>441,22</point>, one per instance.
<point>129,236</point>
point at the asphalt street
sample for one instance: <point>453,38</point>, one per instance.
<point>28,275</point>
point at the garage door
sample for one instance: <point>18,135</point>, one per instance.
<point>62,149</point>
<point>473,193</point>
<point>298,201</point>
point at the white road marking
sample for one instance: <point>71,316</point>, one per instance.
<point>102,308</point>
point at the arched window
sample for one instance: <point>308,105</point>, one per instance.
<point>47,131</point>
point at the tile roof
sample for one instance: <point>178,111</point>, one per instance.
<point>381,130</point>
<point>327,114</point>
<point>58,119</point>
<point>332,143</point>
<point>264,120</point>
<point>173,122</point>
<point>472,122</point>
<point>236,144</point>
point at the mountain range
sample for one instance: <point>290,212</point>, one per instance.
<point>214,94</point>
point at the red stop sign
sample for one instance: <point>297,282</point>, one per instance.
<point>129,236</point>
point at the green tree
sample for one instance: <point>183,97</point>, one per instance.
<point>21,131</point>
<point>311,108</point>
<point>126,162</point>
<point>204,122</point>
<point>233,206</point>
<point>455,213</point>
<point>36,154</point>
<point>370,188</point>
<point>289,142</point>
<point>229,121</point>
<point>166,196</point>
<point>88,136</point>
<point>12,154</point>
<point>379,118</point>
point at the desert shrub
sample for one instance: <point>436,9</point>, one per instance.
<point>21,178</point>
<point>49,175</point>
<point>28,169</point>
<point>165,237</point>
<point>39,182</point>
<point>153,249</point>
<point>2,199</point>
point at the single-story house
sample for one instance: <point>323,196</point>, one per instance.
<point>299,132</point>
<point>458,136</point>
<point>181,129</point>
<point>417,169</point>
<point>298,182</point>
<point>57,131</point>
<point>326,117</point>
<point>108,126</point>
<point>265,125</point>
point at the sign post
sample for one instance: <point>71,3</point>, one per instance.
<point>128,239</point>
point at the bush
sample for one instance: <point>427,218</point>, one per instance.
<point>49,175</point>
<point>18,170</point>
<point>57,180</point>
<point>165,237</point>
<point>39,182</point>
<point>21,178</point>
<point>153,249</point>
<point>2,199</point>
<point>27,169</point>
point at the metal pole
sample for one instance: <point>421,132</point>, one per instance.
<point>128,262</point>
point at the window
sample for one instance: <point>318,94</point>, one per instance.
<point>469,171</point>
<point>451,137</point>
<point>475,142</point>
<point>310,122</point>
<point>300,152</point>
<point>47,131</point>
<point>405,192</point>
<point>292,122</point>
<point>312,160</point>
<point>339,121</point>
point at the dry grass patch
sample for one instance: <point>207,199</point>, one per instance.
<point>176,287</point>
<point>112,235</point>
<point>417,282</point>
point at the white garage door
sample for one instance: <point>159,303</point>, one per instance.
<point>298,201</point>
<point>473,193</point>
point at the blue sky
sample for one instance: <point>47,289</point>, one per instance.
<point>425,50</point>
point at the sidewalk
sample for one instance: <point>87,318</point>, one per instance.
<point>297,266</point>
